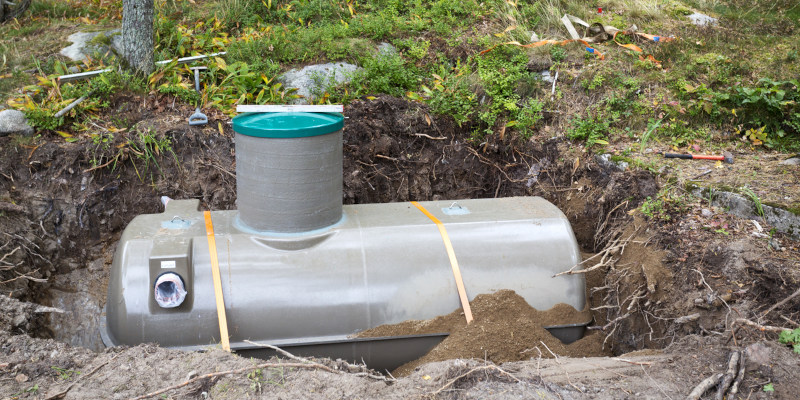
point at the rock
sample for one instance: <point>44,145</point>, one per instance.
<point>702,19</point>
<point>758,354</point>
<point>73,69</point>
<point>386,49</point>
<point>546,76</point>
<point>782,220</point>
<point>706,213</point>
<point>14,122</point>
<point>605,161</point>
<point>791,161</point>
<point>314,79</point>
<point>82,44</point>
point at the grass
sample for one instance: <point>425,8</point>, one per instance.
<point>688,96</point>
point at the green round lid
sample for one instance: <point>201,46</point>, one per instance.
<point>287,124</point>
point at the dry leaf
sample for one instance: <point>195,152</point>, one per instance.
<point>428,120</point>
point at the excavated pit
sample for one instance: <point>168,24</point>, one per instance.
<point>76,212</point>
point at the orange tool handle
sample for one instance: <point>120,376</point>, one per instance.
<point>705,157</point>
<point>694,156</point>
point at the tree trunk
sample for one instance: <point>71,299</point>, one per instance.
<point>137,35</point>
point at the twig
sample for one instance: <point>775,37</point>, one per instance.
<point>610,323</point>
<point>562,367</point>
<point>703,386</point>
<point>386,157</point>
<point>739,376</point>
<point>64,392</point>
<point>759,326</point>
<point>472,371</point>
<point>281,351</point>
<point>782,302</point>
<point>630,362</point>
<point>236,371</point>
<point>730,373</point>
<point>350,367</point>
<point>430,137</point>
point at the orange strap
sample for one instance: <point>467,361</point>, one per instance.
<point>462,293</point>
<point>212,251</point>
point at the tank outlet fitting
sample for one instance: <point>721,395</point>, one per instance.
<point>169,290</point>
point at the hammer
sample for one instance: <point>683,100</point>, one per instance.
<point>727,157</point>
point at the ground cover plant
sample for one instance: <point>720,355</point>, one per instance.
<point>691,264</point>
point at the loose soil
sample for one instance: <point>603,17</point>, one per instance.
<point>505,328</point>
<point>667,290</point>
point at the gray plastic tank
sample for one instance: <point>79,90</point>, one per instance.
<point>302,272</point>
<point>382,264</point>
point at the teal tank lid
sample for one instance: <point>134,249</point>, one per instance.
<point>287,124</point>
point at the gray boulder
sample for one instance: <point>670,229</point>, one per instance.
<point>14,122</point>
<point>702,19</point>
<point>312,80</point>
<point>84,44</point>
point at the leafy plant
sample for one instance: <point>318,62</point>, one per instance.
<point>386,73</point>
<point>558,53</point>
<point>791,338</point>
<point>65,374</point>
<point>592,129</point>
<point>449,93</point>
<point>499,71</point>
<point>526,117</point>
<point>769,388</point>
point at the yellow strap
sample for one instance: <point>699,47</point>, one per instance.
<point>462,293</point>
<point>212,251</point>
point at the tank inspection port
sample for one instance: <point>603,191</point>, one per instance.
<point>170,290</point>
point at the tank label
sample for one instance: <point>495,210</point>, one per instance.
<point>168,264</point>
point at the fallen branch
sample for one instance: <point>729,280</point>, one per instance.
<point>730,374</point>
<point>703,386</point>
<point>739,375</point>
<point>760,327</point>
<point>472,371</point>
<point>782,302</point>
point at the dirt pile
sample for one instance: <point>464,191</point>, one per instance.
<point>505,328</point>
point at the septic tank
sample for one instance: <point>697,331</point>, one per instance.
<point>299,270</point>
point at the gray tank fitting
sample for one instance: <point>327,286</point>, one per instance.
<point>288,171</point>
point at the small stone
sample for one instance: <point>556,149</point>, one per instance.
<point>758,354</point>
<point>21,378</point>
<point>386,49</point>
<point>702,19</point>
<point>706,213</point>
<point>19,320</point>
<point>791,161</point>
<point>73,69</point>
<point>191,375</point>
<point>546,76</point>
<point>14,122</point>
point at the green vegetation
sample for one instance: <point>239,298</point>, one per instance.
<point>709,86</point>
<point>667,202</point>
<point>791,338</point>
<point>592,130</point>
